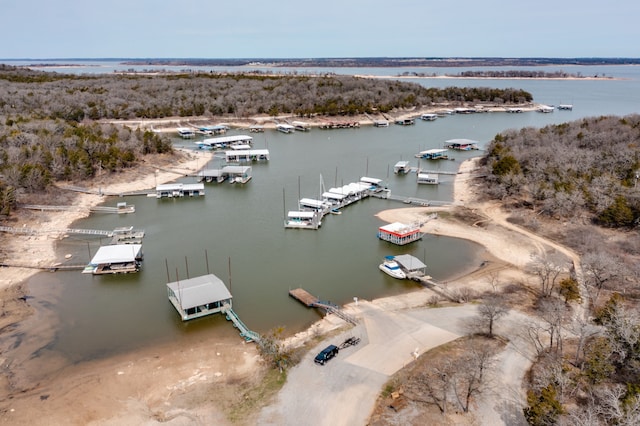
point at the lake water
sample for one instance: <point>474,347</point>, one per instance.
<point>237,233</point>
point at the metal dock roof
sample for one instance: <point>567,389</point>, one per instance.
<point>197,291</point>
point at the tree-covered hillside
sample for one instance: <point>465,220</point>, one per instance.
<point>49,130</point>
<point>587,169</point>
<point>72,97</point>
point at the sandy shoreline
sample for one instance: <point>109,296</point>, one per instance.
<point>171,124</point>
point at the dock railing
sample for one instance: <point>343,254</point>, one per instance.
<point>249,336</point>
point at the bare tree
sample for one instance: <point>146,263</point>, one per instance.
<point>554,314</point>
<point>491,310</point>
<point>470,377</point>
<point>614,410</point>
<point>433,386</point>
<point>583,330</point>
<point>547,270</point>
<point>599,268</point>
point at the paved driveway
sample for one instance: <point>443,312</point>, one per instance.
<point>344,391</point>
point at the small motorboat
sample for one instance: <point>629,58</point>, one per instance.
<point>392,268</point>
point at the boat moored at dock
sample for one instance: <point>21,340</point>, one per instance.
<point>429,117</point>
<point>390,267</point>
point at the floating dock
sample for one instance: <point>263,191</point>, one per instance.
<point>311,211</point>
<point>304,297</point>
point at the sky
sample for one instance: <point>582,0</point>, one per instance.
<point>46,29</point>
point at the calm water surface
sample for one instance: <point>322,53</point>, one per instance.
<point>237,233</point>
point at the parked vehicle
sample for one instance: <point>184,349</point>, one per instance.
<point>326,354</point>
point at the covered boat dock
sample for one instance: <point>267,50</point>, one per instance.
<point>235,174</point>
<point>303,219</point>
<point>401,167</point>
<point>434,154</point>
<point>199,296</point>
<point>412,266</point>
<point>115,259</point>
<point>175,190</point>
<point>428,179</point>
<point>461,144</point>
<point>245,155</point>
<point>225,141</point>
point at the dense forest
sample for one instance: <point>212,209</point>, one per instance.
<point>574,183</point>
<point>74,98</point>
<point>50,123</point>
<point>586,170</point>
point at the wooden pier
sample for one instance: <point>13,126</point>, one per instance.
<point>32,231</point>
<point>311,301</point>
<point>120,208</point>
<point>413,200</point>
<point>304,297</point>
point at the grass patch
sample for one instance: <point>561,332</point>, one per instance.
<point>252,399</point>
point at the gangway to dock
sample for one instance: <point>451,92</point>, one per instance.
<point>417,201</point>
<point>121,208</point>
<point>311,301</point>
<point>438,172</point>
<point>32,231</point>
<point>248,335</point>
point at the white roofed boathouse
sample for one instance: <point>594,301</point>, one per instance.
<point>176,190</point>
<point>115,259</point>
<point>199,296</point>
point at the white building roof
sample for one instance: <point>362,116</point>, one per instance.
<point>399,228</point>
<point>200,290</point>
<point>333,195</point>
<point>408,262</point>
<point>374,181</point>
<point>228,139</point>
<point>301,215</point>
<point>310,202</point>
<point>193,186</point>
<point>434,151</point>
<point>118,253</point>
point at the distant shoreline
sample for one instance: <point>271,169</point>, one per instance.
<point>455,77</point>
